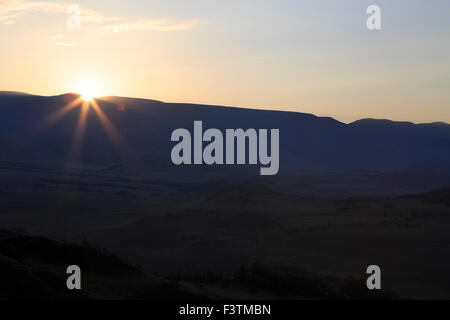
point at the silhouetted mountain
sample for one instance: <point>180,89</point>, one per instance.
<point>13,94</point>
<point>307,142</point>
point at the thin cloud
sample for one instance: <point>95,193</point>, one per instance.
<point>56,36</point>
<point>90,16</point>
<point>10,10</point>
<point>154,25</point>
<point>13,9</point>
<point>65,44</point>
<point>7,19</point>
<point>57,41</point>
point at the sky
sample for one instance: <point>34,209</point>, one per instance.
<point>308,56</point>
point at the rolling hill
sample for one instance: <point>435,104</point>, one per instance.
<point>307,142</point>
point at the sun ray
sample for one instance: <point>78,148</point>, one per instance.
<point>110,129</point>
<point>86,103</point>
<point>58,114</point>
<point>77,142</point>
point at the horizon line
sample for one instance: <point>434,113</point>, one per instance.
<point>3,92</point>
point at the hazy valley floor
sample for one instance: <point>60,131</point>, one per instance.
<point>301,223</point>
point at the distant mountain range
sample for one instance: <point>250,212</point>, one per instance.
<point>307,142</point>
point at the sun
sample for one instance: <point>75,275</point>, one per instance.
<point>87,96</point>
<point>89,90</point>
<point>88,93</point>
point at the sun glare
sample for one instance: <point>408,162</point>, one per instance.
<point>89,93</point>
<point>87,104</point>
<point>87,97</point>
<point>89,90</point>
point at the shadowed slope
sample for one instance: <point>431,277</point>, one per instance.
<point>307,142</point>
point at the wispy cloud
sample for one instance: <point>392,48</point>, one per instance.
<point>89,16</point>
<point>57,41</point>
<point>56,36</point>
<point>154,25</point>
<point>10,10</point>
<point>7,18</point>
<point>13,9</point>
<point>65,44</point>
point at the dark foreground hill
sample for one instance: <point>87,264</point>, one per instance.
<point>34,268</point>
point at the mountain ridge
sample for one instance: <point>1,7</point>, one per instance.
<point>307,142</point>
<point>362,120</point>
